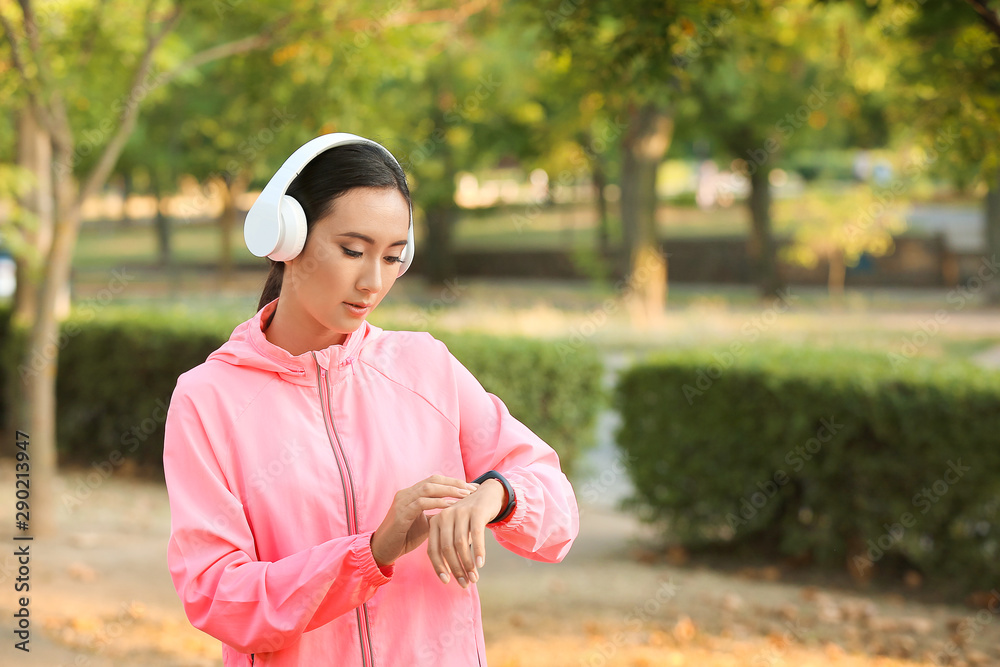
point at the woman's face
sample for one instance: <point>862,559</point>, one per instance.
<point>350,259</point>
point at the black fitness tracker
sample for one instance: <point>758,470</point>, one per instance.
<point>511,498</point>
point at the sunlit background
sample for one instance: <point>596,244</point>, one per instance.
<point>735,261</point>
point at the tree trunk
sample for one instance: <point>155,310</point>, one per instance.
<point>38,370</point>
<point>836,275</point>
<point>34,154</point>
<point>232,187</point>
<point>600,181</point>
<point>438,251</point>
<point>124,218</point>
<point>761,244</point>
<point>643,146</point>
<point>162,224</point>
<point>993,236</point>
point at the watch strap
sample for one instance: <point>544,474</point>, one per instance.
<point>511,498</point>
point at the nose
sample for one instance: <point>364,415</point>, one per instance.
<point>370,279</point>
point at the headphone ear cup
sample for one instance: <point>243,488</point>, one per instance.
<point>293,230</point>
<point>407,253</point>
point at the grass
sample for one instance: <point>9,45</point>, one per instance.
<point>106,244</point>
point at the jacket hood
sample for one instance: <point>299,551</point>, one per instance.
<point>247,346</point>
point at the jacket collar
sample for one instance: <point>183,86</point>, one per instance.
<point>248,346</point>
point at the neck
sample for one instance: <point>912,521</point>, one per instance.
<point>295,331</point>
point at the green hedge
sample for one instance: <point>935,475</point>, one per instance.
<point>116,375</point>
<point>831,455</point>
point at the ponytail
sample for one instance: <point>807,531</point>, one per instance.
<point>272,287</point>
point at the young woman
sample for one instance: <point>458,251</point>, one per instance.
<point>310,456</point>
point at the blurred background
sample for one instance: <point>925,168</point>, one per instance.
<point>735,261</point>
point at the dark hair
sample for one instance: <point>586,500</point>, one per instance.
<point>332,174</point>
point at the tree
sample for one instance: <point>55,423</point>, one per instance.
<point>629,48</point>
<point>839,225</point>
<point>949,108</point>
<point>765,83</point>
<point>115,42</point>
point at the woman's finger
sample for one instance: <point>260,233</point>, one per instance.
<point>434,550</point>
<point>446,547</point>
<point>463,546</point>
<point>454,543</point>
<point>432,490</point>
<point>450,481</point>
<point>478,536</point>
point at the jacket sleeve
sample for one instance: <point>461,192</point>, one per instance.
<point>253,606</point>
<point>545,520</point>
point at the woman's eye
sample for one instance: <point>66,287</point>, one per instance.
<point>392,259</point>
<point>351,253</point>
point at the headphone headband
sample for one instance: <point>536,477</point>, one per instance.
<point>275,225</point>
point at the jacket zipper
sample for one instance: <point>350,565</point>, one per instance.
<point>364,630</point>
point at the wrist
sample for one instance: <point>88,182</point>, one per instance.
<point>510,500</point>
<point>383,564</point>
<point>494,487</point>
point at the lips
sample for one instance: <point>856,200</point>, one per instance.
<point>358,309</point>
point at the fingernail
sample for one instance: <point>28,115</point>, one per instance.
<point>444,577</point>
<point>480,561</point>
<point>461,582</point>
<point>474,576</point>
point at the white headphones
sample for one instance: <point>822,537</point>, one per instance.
<point>275,226</point>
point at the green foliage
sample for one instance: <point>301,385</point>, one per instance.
<point>117,373</point>
<point>845,456</point>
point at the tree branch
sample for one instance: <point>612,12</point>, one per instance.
<point>35,101</point>
<point>130,116</point>
<point>244,45</point>
<point>87,48</point>
<point>989,16</point>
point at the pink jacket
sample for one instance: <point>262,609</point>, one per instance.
<point>279,468</point>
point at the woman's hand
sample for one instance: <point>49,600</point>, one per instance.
<point>464,523</point>
<point>405,526</point>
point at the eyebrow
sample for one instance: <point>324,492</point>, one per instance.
<point>368,239</point>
